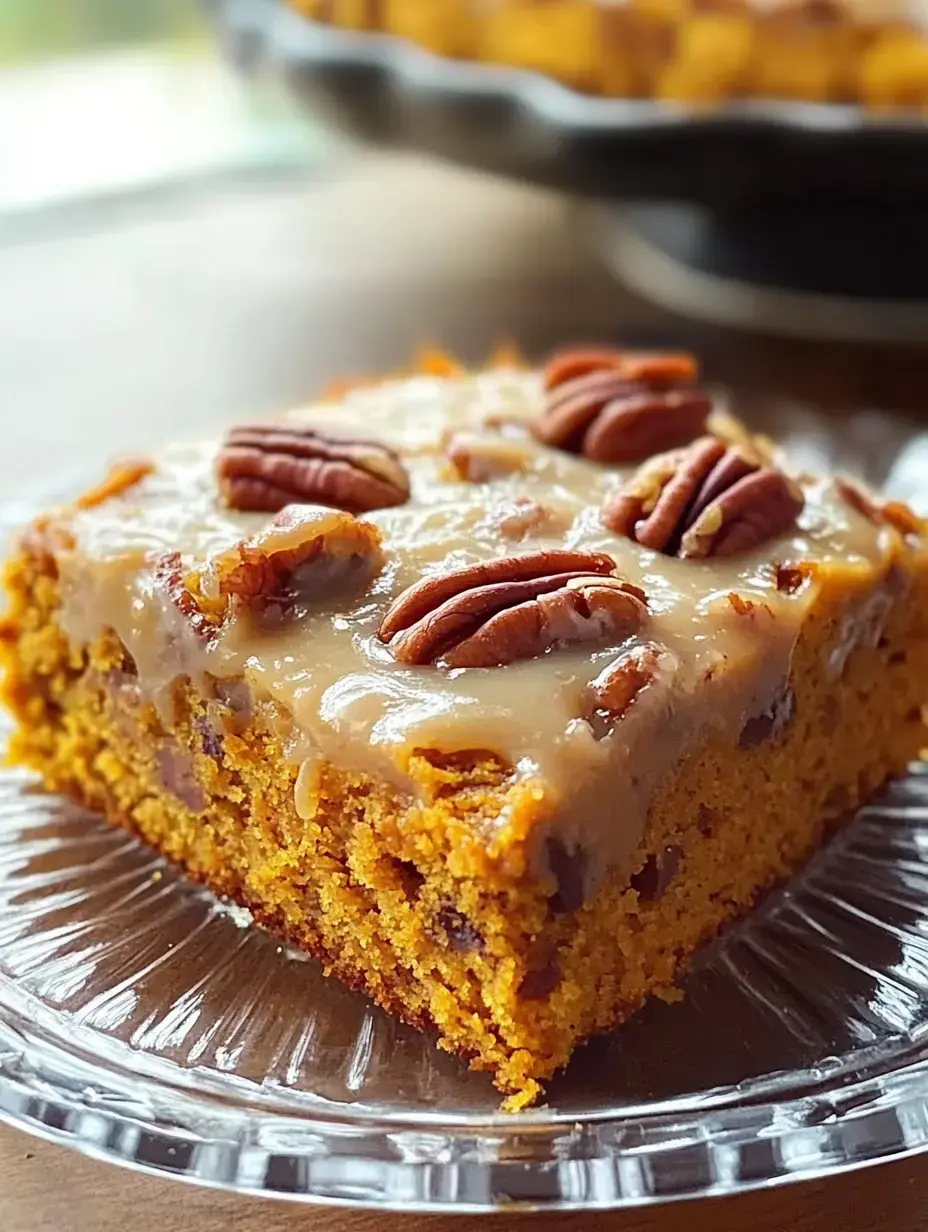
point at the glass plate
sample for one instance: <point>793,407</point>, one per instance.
<point>145,1022</point>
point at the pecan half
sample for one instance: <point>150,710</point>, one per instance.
<point>613,407</point>
<point>265,467</point>
<point>657,367</point>
<point>519,607</point>
<point>710,499</point>
<point>305,554</point>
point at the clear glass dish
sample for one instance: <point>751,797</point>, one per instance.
<point>144,1022</point>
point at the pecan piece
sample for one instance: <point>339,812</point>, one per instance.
<point>457,931</point>
<point>210,740</point>
<point>522,517</point>
<point>265,467</point>
<point>790,579</point>
<point>180,586</point>
<point>480,459</point>
<point>771,723</point>
<point>519,607</point>
<point>543,974</point>
<point>570,869</point>
<point>121,477</point>
<point>655,875</point>
<point>43,539</point>
<point>707,500</point>
<point>305,554</point>
<point>619,686</point>
<point>177,775</point>
<point>621,408</point>
<point>879,512</point>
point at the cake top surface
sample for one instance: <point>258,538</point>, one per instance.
<point>582,618</point>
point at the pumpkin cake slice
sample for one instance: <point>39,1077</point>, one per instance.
<point>693,51</point>
<point>499,693</point>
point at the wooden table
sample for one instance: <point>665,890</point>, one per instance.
<point>165,319</point>
<point>48,1189</point>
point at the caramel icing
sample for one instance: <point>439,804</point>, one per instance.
<point>346,698</point>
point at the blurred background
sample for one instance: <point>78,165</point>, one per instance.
<point>101,97</point>
<point>214,208</point>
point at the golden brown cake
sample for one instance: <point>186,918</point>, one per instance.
<point>500,693</point>
<point>872,51</point>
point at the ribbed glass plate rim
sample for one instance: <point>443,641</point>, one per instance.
<point>285,33</point>
<point>79,1088</point>
<point>53,1094</point>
